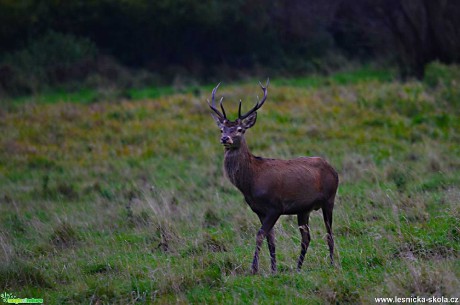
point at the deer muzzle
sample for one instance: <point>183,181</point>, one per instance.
<point>226,140</point>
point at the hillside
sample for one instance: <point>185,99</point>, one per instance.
<point>124,201</point>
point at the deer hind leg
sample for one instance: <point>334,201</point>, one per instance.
<point>302,221</point>
<point>267,224</point>
<point>327,215</point>
<point>271,248</point>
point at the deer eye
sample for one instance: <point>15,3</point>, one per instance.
<point>221,130</point>
<point>239,129</point>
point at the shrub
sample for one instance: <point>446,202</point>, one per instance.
<point>51,59</point>
<point>437,73</point>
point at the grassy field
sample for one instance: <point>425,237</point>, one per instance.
<point>123,201</point>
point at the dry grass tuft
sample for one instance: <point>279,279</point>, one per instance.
<point>166,238</point>
<point>19,273</point>
<point>357,168</point>
<point>7,250</point>
<point>64,235</point>
<point>423,280</point>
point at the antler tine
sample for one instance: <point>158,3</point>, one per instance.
<point>214,93</point>
<point>213,107</point>
<point>222,107</point>
<point>216,111</point>
<point>258,104</point>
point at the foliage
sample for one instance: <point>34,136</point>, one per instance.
<point>206,40</point>
<point>413,33</point>
<point>49,60</point>
<point>124,201</point>
<point>179,35</point>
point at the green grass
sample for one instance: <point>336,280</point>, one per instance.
<point>363,74</point>
<point>110,94</point>
<point>84,96</point>
<point>126,203</point>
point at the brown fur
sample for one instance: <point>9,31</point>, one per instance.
<point>274,187</point>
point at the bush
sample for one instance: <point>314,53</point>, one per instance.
<point>437,73</point>
<point>51,59</point>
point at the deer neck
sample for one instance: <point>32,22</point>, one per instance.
<point>238,166</point>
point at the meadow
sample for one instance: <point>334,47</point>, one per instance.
<point>121,199</point>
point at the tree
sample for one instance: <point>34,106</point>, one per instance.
<point>415,32</point>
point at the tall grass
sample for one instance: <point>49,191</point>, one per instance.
<point>125,202</point>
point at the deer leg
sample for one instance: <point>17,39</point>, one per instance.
<point>271,248</point>
<point>327,215</point>
<point>267,224</point>
<point>302,221</point>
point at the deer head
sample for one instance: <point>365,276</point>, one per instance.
<point>233,131</point>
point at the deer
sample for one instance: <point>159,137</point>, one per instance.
<point>275,187</point>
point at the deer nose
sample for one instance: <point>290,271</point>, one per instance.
<point>226,140</point>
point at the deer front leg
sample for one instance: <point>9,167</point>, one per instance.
<point>267,224</point>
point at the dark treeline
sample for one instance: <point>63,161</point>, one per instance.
<point>52,42</point>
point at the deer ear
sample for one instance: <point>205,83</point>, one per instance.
<point>249,121</point>
<point>219,121</point>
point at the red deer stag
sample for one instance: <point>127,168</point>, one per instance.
<point>275,187</point>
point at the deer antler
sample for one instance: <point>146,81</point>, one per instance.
<point>258,104</point>
<point>213,105</point>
